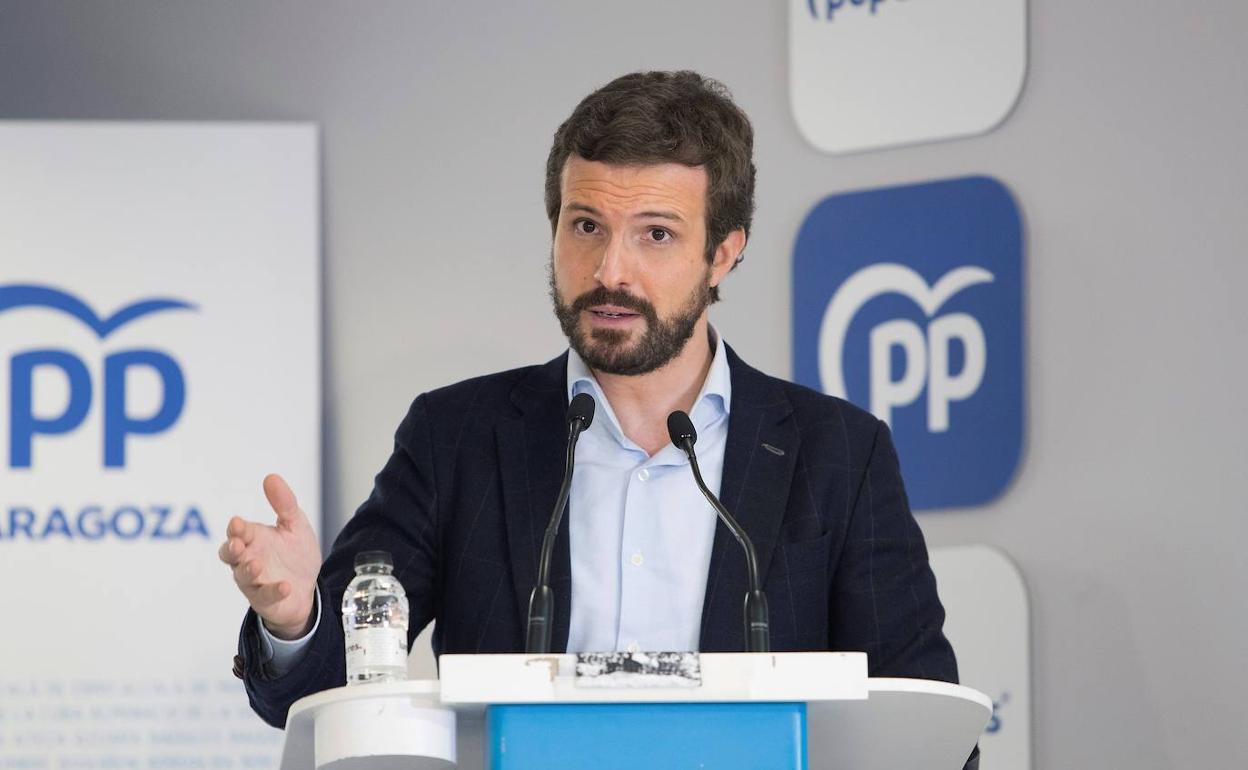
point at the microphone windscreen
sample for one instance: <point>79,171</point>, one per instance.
<point>680,427</point>
<point>582,408</point>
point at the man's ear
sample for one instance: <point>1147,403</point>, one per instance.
<point>726,255</point>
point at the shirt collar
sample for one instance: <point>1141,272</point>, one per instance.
<point>713,402</point>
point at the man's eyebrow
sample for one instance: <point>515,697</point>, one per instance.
<point>657,214</point>
<point>672,215</point>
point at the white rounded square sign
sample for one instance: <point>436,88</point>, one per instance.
<point>866,74</point>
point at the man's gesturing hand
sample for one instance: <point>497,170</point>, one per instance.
<point>276,567</point>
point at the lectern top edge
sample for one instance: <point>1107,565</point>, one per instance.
<point>929,687</point>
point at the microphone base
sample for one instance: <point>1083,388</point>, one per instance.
<point>541,615</point>
<point>757,624</point>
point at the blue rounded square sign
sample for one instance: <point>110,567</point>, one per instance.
<point>908,301</point>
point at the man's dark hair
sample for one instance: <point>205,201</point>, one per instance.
<point>665,117</point>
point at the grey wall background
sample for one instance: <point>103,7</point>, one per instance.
<point>1126,152</point>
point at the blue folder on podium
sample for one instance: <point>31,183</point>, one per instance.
<point>754,711</point>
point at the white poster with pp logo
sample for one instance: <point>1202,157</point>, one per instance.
<point>159,354</point>
<point>988,622</point>
<point>866,74</point>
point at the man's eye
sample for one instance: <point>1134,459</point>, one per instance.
<point>659,234</point>
<point>585,226</point>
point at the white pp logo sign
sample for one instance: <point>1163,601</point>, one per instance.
<point>926,355</point>
<point>865,74</point>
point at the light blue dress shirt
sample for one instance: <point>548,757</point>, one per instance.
<point>640,530</point>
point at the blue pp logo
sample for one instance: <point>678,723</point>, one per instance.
<point>826,10</point>
<point>908,301</point>
<point>25,424</point>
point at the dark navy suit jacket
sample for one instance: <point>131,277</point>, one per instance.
<point>464,499</point>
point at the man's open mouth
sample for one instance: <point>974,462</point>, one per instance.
<point>612,312</point>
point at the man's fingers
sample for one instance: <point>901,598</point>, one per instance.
<point>272,593</point>
<point>226,552</point>
<point>242,529</point>
<point>247,575</point>
<point>232,551</point>
<point>243,578</point>
<point>281,498</point>
<point>260,594</point>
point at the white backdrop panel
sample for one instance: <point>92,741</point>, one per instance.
<point>988,621</point>
<point>120,623</point>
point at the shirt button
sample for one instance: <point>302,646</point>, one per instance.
<point>637,559</point>
<point>634,648</point>
<point>643,474</point>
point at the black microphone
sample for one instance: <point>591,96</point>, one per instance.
<point>757,626</point>
<point>542,600</point>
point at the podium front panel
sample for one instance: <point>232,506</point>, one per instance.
<point>726,736</point>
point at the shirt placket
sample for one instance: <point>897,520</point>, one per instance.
<point>636,547</point>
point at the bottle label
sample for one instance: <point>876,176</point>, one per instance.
<point>368,648</point>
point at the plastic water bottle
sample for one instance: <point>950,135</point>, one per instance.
<point>374,621</point>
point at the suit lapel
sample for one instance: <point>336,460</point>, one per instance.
<point>755,489</point>
<point>531,449</point>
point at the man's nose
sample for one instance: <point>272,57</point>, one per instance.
<point>615,264</point>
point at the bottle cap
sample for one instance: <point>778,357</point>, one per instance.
<point>364,558</point>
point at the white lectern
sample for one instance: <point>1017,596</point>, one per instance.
<point>720,710</point>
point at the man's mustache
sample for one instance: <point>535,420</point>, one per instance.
<point>618,297</point>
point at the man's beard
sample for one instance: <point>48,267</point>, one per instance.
<point>604,350</point>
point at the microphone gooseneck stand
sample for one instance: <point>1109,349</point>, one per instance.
<point>757,626</point>
<point>542,600</point>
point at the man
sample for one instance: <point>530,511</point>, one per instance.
<point>649,190</point>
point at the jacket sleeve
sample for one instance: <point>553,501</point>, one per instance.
<point>399,516</point>
<point>883,599</point>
